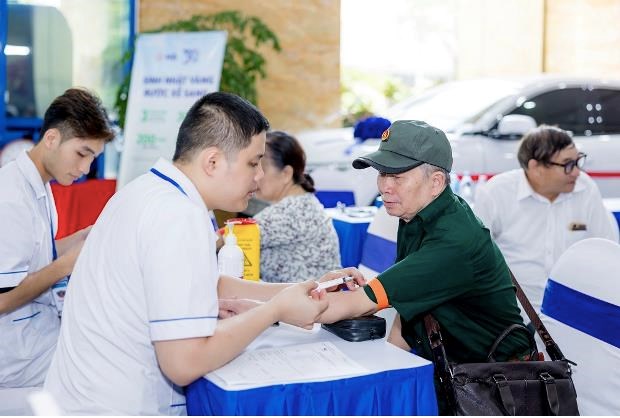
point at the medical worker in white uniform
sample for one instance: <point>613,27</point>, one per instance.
<point>74,131</point>
<point>141,317</point>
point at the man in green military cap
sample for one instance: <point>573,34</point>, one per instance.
<point>446,263</point>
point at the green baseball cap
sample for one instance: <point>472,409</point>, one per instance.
<point>407,144</point>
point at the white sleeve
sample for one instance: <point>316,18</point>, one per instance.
<point>17,243</point>
<point>485,209</point>
<point>180,279</point>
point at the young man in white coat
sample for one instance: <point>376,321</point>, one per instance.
<point>75,129</point>
<point>148,272</point>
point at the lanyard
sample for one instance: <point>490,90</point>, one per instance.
<point>168,179</point>
<point>54,252</point>
<point>178,186</point>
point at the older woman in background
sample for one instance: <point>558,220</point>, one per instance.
<point>298,240</point>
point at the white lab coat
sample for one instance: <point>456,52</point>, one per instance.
<point>27,219</point>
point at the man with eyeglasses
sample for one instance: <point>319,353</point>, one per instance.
<point>535,213</point>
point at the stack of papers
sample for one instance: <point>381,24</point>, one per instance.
<point>282,365</point>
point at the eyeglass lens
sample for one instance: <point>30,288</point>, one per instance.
<point>579,162</point>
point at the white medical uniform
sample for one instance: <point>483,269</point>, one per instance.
<point>28,216</point>
<point>146,273</point>
<point>533,232</point>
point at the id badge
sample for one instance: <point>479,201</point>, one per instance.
<point>58,291</point>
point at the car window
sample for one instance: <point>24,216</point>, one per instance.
<point>453,104</point>
<point>564,108</point>
<point>605,112</point>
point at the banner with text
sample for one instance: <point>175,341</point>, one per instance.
<point>170,72</point>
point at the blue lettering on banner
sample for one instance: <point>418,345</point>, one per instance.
<point>152,80</point>
<point>195,93</point>
<point>190,55</point>
<point>176,80</point>
<point>197,79</point>
<point>155,93</point>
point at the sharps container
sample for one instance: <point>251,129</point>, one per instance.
<point>248,239</point>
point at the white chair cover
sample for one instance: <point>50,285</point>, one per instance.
<point>345,184</point>
<point>14,401</point>
<point>581,310</point>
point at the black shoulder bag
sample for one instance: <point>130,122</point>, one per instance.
<point>520,387</point>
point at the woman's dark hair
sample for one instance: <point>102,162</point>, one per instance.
<point>542,143</point>
<point>283,149</point>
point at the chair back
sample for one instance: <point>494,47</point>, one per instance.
<point>581,310</point>
<point>351,187</point>
<point>14,401</point>
<point>379,250</point>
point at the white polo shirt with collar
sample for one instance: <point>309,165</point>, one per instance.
<point>146,273</point>
<point>533,232</point>
<point>28,221</point>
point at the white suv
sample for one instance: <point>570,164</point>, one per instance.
<point>484,120</point>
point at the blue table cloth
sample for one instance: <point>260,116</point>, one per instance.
<point>351,238</point>
<point>392,392</point>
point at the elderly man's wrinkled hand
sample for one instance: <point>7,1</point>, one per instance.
<point>355,274</point>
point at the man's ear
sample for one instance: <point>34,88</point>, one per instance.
<point>51,138</point>
<point>438,181</point>
<point>533,166</point>
<point>211,159</point>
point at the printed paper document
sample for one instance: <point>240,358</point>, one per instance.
<point>296,363</point>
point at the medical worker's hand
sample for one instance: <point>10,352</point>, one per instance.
<point>68,259</point>
<point>231,307</point>
<point>296,307</point>
<point>65,244</point>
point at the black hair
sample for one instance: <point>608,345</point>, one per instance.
<point>542,143</point>
<point>218,119</point>
<point>78,113</point>
<point>283,149</point>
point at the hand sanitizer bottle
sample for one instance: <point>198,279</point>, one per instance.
<point>230,258</point>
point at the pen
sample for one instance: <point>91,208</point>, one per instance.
<point>333,282</point>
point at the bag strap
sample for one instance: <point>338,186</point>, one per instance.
<point>439,353</point>
<point>550,345</point>
<point>440,360</point>
<point>514,327</point>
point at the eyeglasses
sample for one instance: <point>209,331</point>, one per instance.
<point>570,165</point>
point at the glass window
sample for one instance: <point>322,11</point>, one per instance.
<point>606,111</point>
<point>452,104</point>
<point>53,45</point>
<point>20,101</point>
<point>564,108</point>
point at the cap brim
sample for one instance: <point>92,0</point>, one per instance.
<point>386,162</point>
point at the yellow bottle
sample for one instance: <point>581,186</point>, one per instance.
<point>248,239</point>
